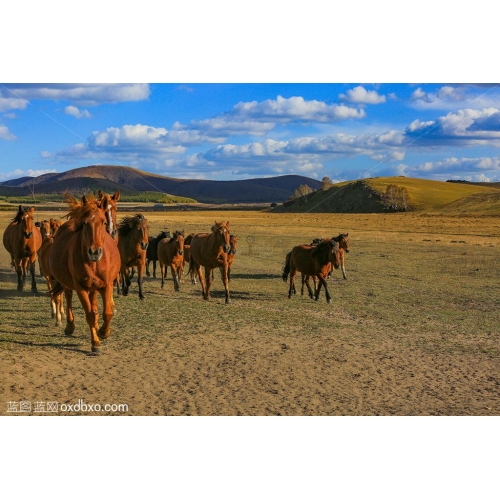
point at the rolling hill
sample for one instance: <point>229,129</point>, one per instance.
<point>131,181</point>
<point>367,196</point>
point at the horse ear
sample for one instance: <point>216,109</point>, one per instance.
<point>346,235</point>
<point>227,223</point>
<point>100,194</point>
<point>116,196</point>
<point>31,210</point>
<point>105,203</point>
<point>84,200</point>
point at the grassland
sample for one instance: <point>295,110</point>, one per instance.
<point>412,331</point>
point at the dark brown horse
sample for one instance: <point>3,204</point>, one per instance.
<point>312,261</point>
<point>133,234</point>
<point>211,250</point>
<point>233,241</point>
<point>84,258</point>
<point>22,239</point>
<point>171,254</point>
<point>152,251</point>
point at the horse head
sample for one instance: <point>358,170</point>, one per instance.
<point>221,231</point>
<point>45,228</point>
<point>343,241</point>
<point>109,206</point>
<point>90,220</point>
<point>178,239</point>
<point>233,239</point>
<point>334,254</point>
<point>24,218</point>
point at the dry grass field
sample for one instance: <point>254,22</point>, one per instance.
<point>412,331</point>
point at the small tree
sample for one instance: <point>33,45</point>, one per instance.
<point>326,183</point>
<point>302,190</point>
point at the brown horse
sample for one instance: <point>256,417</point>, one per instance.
<point>84,258</point>
<point>152,251</point>
<point>110,212</point>
<point>233,241</point>
<point>312,261</point>
<point>187,254</point>
<point>210,250</point>
<point>45,231</point>
<point>133,242</point>
<point>22,239</point>
<point>171,254</point>
<point>343,241</point>
<point>56,302</point>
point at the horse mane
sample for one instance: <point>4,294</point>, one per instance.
<point>128,223</point>
<point>339,237</point>
<point>321,247</point>
<point>79,210</point>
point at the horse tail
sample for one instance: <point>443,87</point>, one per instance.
<point>57,289</point>
<point>286,269</point>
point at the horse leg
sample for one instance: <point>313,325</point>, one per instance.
<point>70,319</point>
<point>208,277</point>
<point>33,272</point>
<point>18,264</point>
<point>342,264</point>
<point>175,277</point>
<point>322,281</point>
<point>293,273</point>
<point>224,274</point>
<point>107,313</point>
<point>140,279</point>
<point>125,281</point>
<point>90,316</point>
<point>148,274</point>
<point>162,272</point>
<point>154,268</point>
<point>309,290</point>
<point>304,279</point>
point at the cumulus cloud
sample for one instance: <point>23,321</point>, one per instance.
<point>85,94</point>
<point>9,103</point>
<point>446,97</point>
<point>6,135</point>
<point>464,128</point>
<point>77,113</point>
<point>258,118</point>
<point>359,95</point>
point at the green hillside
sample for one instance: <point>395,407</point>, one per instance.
<point>368,196</point>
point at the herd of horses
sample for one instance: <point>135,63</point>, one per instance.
<point>92,252</point>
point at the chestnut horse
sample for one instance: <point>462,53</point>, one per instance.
<point>56,303</point>
<point>22,239</point>
<point>85,259</point>
<point>152,251</point>
<point>343,241</point>
<point>111,224</point>
<point>187,254</point>
<point>45,231</point>
<point>312,261</point>
<point>133,242</point>
<point>211,250</point>
<point>171,254</point>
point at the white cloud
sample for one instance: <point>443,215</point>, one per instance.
<point>6,135</point>
<point>85,94</point>
<point>9,103</point>
<point>359,95</point>
<point>77,113</point>
<point>15,174</point>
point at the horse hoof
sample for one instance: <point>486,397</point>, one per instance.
<point>96,351</point>
<point>69,331</point>
<point>102,335</point>
<point>228,301</point>
<point>329,301</point>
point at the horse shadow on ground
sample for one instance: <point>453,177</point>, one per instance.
<point>64,347</point>
<point>255,276</point>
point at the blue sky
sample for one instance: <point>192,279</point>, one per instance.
<point>235,131</point>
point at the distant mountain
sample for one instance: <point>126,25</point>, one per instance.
<point>133,181</point>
